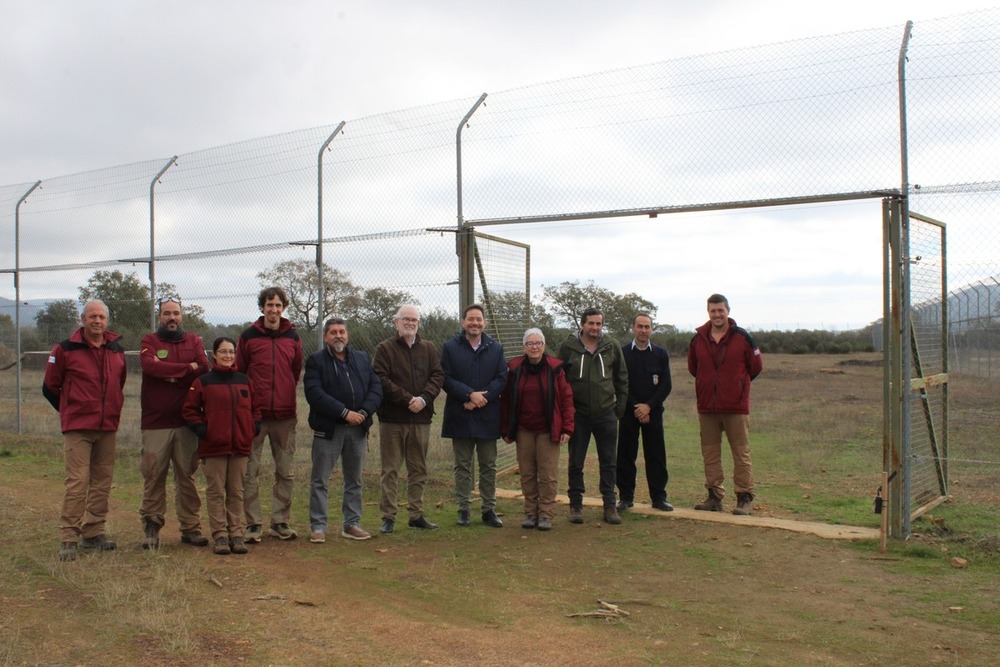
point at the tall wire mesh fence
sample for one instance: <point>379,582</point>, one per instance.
<point>803,121</point>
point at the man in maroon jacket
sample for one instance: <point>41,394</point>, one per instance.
<point>723,358</point>
<point>84,381</point>
<point>270,352</point>
<point>171,359</point>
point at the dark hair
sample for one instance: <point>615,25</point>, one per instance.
<point>590,312</point>
<point>334,320</point>
<point>269,293</point>
<point>473,306</point>
<point>220,340</point>
<point>168,299</point>
<point>718,298</point>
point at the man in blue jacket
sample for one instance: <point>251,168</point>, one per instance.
<point>343,393</point>
<point>475,372</point>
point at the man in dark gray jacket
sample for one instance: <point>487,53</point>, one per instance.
<point>475,372</point>
<point>343,393</point>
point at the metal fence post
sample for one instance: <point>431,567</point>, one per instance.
<point>152,238</point>
<point>17,300</point>
<point>319,231</point>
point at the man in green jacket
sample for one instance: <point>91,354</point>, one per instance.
<point>595,368</point>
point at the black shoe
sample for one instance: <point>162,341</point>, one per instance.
<point>463,518</point>
<point>194,538</point>
<point>422,523</point>
<point>623,505</point>
<point>98,542</point>
<point>530,522</point>
<point>387,526</point>
<point>744,504</point>
<point>150,535</point>
<point>663,505</point>
<point>490,518</point>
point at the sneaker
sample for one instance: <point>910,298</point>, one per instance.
<point>67,551</point>
<point>529,522</point>
<point>221,546</point>
<point>491,519</point>
<point>387,526</point>
<point>575,514</point>
<point>150,535</point>
<point>237,546</point>
<point>663,505</point>
<point>355,533</point>
<point>194,538</point>
<point>98,542</point>
<point>623,505</point>
<point>710,504</point>
<point>253,534</point>
<point>544,523</point>
<point>282,531</point>
<point>463,518</point>
<point>317,537</point>
<point>611,516</point>
<point>422,522</point>
<point>744,504</point>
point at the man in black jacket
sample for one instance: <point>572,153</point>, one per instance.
<point>343,393</point>
<point>648,387</point>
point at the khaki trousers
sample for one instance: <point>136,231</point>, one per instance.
<point>737,430</point>
<point>90,468</point>
<point>224,495</point>
<point>399,443</point>
<point>538,466</point>
<point>160,447</point>
<point>281,434</point>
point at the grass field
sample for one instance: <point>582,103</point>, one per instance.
<point>695,593</point>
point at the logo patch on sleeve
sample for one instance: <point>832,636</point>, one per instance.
<point>52,358</point>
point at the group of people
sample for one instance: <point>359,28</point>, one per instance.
<point>219,416</point>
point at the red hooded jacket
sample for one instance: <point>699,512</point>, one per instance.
<point>723,370</point>
<point>273,360</point>
<point>85,383</point>
<point>220,408</point>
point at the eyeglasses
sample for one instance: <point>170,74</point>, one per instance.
<point>535,343</point>
<point>409,320</point>
<point>225,352</point>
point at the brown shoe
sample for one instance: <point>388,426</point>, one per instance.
<point>194,538</point>
<point>575,514</point>
<point>710,504</point>
<point>744,504</point>
<point>611,516</point>
<point>222,546</point>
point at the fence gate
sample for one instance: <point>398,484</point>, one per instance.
<point>915,443</point>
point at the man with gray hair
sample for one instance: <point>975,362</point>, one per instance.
<point>84,381</point>
<point>411,375</point>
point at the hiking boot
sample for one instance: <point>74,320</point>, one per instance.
<point>317,537</point>
<point>221,546</point>
<point>544,523</point>
<point>663,505</point>
<point>575,514</point>
<point>194,538</point>
<point>355,532</point>
<point>529,522</point>
<point>463,518</point>
<point>387,526</point>
<point>623,505</point>
<point>98,543</point>
<point>150,535</point>
<point>282,531</point>
<point>744,503</point>
<point>237,546</point>
<point>611,516</point>
<point>253,534</point>
<point>421,522</point>
<point>711,504</point>
<point>491,519</point>
<point>67,551</point>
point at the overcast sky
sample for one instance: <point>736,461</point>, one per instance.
<point>93,84</point>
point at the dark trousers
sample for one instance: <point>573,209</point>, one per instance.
<point>654,453</point>
<point>605,431</point>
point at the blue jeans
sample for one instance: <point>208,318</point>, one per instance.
<point>349,444</point>
<point>605,431</point>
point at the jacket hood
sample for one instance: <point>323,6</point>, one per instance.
<point>705,328</point>
<point>78,337</point>
<point>286,325</point>
<point>553,362</point>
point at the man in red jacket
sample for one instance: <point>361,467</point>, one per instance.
<point>84,381</point>
<point>270,352</point>
<point>723,358</point>
<point>171,359</point>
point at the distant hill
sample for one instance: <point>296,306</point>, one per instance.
<point>28,309</point>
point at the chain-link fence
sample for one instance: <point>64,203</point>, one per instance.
<point>801,122</point>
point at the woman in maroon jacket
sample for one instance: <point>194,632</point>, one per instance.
<point>537,412</point>
<point>219,408</point>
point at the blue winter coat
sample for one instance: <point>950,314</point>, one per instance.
<point>465,371</point>
<point>332,388</point>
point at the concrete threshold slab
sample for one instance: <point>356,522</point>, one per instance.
<point>824,530</point>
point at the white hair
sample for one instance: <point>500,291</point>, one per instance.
<point>533,331</point>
